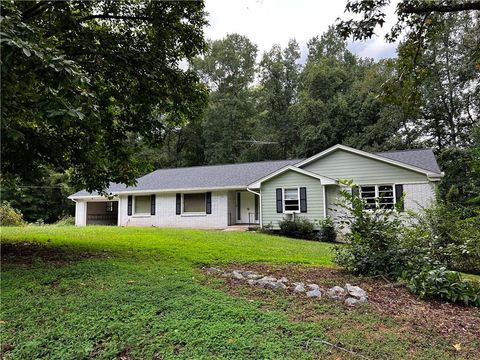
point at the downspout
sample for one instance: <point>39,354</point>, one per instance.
<point>260,203</point>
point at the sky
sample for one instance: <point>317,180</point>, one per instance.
<point>269,22</point>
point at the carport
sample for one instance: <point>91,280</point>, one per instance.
<point>102,213</point>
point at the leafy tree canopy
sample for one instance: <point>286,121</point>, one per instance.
<point>81,79</point>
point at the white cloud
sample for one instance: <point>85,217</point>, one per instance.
<point>268,22</point>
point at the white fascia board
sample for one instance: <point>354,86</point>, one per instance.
<point>157,191</point>
<point>323,179</point>
<point>371,156</point>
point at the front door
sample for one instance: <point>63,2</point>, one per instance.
<point>246,208</point>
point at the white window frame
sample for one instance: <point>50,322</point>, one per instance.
<point>283,200</point>
<point>194,213</point>
<point>377,195</point>
<point>134,213</point>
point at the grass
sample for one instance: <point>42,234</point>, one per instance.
<point>137,293</point>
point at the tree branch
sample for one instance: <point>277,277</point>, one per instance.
<point>432,7</point>
<point>115,17</point>
<point>36,9</point>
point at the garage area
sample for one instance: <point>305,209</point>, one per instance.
<point>102,213</point>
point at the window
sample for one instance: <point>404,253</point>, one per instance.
<point>142,204</point>
<point>109,206</point>
<point>381,196</point>
<point>194,203</point>
<point>291,200</point>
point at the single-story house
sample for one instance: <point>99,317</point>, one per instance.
<point>218,196</point>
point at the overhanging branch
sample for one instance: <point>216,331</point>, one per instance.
<point>115,17</point>
<point>436,7</point>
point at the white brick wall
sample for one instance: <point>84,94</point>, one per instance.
<point>418,196</point>
<point>165,213</point>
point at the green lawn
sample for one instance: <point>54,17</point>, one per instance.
<point>137,293</point>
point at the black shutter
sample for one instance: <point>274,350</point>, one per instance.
<point>256,206</point>
<point>239,214</point>
<point>355,191</point>
<point>152,204</point>
<point>209,203</point>
<point>303,199</point>
<point>398,197</point>
<point>129,205</point>
<point>178,205</point>
<point>279,201</point>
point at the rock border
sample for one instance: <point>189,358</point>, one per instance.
<point>350,295</point>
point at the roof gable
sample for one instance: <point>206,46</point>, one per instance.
<point>392,159</point>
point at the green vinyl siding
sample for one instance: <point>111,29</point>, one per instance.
<point>342,164</point>
<point>291,179</point>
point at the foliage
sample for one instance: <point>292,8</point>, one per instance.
<point>10,216</point>
<point>373,240</point>
<point>453,236</point>
<point>327,231</point>
<point>66,221</point>
<point>447,285</point>
<point>44,198</point>
<point>297,227</point>
<point>82,82</point>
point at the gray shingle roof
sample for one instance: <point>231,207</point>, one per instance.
<point>198,177</point>
<point>240,175</point>
<point>422,158</point>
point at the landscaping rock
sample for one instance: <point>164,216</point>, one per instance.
<point>252,282</point>
<point>212,270</point>
<point>283,279</point>
<point>254,276</point>
<point>237,275</point>
<point>350,301</point>
<point>277,285</point>
<point>336,293</point>
<point>314,291</point>
<point>355,291</point>
<point>299,287</point>
<point>247,273</point>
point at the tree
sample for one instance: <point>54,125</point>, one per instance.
<point>80,80</point>
<point>228,68</point>
<point>279,76</point>
<point>411,14</point>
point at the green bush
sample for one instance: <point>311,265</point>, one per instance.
<point>299,228</point>
<point>66,221</point>
<point>327,231</point>
<point>447,285</point>
<point>10,216</point>
<point>455,238</point>
<point>373,239</point>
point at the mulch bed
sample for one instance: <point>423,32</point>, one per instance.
<point>452,321</point>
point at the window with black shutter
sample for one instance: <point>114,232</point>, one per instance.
<point>303,199</point>
<point>152,204</point>
<point>279,200</point>
<point>178,204</point>
<point>208,205</point>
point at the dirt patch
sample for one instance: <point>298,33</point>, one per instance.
<point>28,253</point>
<point>454,322</point>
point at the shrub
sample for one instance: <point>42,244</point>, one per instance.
<point>66,221</point>
<point>326,230</point>
<point>373,241</point>
<point>299,228</point>
<point>447,285</point>
<point>10,216</point>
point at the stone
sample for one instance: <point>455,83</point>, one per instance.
<point>336,292</point>
<point>237,275</point>
<point>355,291</point>
<point>275,285</point>
<point>212,270</point>
<point>252,281</point>
<point>316,293</point>
<point>283,279</point>
<point>254,276</point>
<point>313,286</point>
<point>299,287</point>
<point>351,301</point>
<point>247,273</point>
